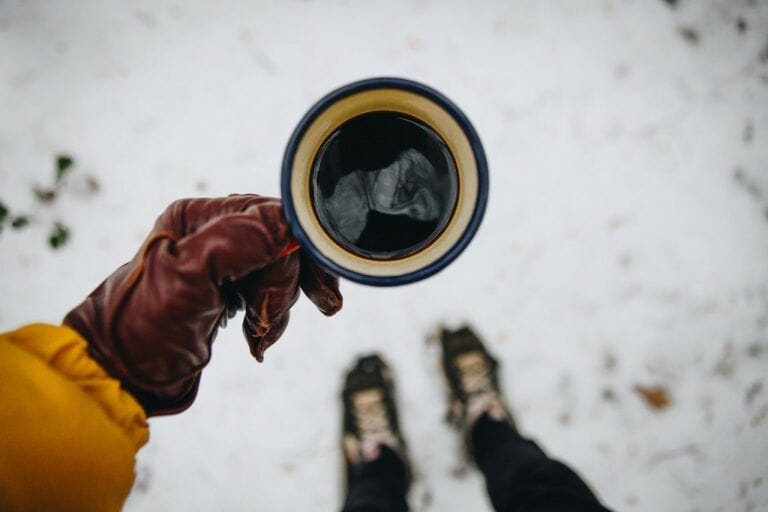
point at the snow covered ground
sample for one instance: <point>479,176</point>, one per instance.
<point>625,243</point>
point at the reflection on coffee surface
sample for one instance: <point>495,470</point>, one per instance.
<point>384,185</point>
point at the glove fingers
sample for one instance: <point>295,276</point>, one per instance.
<point>186,216</point>
<point>320,287</point>
<point>235,245</point>
<point>259,344</point>
<point>268,296</point>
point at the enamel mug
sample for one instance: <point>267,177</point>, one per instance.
<point>384,181</point>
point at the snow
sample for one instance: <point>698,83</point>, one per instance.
<point>625,242</point>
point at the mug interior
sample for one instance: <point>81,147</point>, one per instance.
<point>384,185</point>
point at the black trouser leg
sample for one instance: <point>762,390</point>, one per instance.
<point>520,477</point>
<point>379,485</point>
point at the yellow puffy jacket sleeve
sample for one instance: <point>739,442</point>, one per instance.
<point>68,432</point>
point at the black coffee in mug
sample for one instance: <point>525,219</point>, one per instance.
<point>384,185</point>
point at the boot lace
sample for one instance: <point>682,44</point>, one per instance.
<point>477,385</point>
<point>372,420</point>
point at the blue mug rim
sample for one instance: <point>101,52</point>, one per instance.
<point>477,150</point>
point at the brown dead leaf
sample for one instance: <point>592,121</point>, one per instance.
<point>656,397</point>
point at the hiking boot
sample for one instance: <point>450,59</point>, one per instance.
<point>370,415</point>
<point>473,383</point>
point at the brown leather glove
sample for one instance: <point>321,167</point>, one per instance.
<point>151,323</point>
